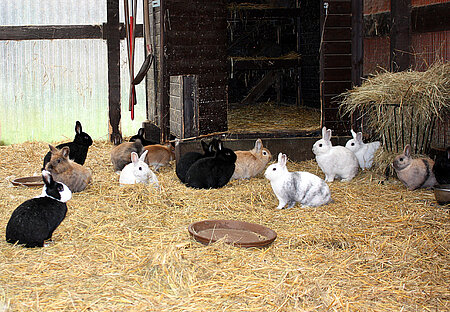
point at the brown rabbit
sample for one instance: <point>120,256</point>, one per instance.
<point>414,173</point>
<point>121,154</point>
<point>159,155</point>
<point>64,170</point>
<point>251,163</point>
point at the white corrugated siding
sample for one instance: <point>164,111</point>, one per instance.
<point>46,85</point>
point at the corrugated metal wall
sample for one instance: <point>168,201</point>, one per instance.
<point>46,85</point>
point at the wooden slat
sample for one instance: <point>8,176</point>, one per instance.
<point>338,34</point>
<point>51,32</point>
<point>337,60</point>
<point>337,74</point>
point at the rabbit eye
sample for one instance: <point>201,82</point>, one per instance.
<point>353,144</point>
<point>274,169</point>
<point>140,168</point>
<point>58,161</point>
<point>264,153</point>
<point>401,159</point>
<point>320,145</point>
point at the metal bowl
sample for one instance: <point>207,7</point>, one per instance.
<point>442,194</point>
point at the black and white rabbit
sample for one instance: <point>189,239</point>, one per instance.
<point>300,186</point>
<point>212,172</point>
<point>441,168</point>
<point>140,136</point>
<point>78,148</point>
<point>189,158</point>
<point>35,220</point>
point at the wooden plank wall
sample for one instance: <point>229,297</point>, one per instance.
<point>196,45</point>
<point>336,62</point>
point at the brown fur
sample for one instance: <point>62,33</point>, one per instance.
<point>159,155</point>
<point>64,170</point>
<point>121,154</point>
<point>251,163</point>
<point>414,173</point>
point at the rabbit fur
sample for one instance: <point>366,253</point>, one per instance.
<point>414,173</point>
<point>121,154</point>
<point>159,155</point>
<point>335,161</point>
<point>364,152</point>
<point>189,158</point>
<point>250,163</point>
<point>138,171</point>
<point>291,187</point>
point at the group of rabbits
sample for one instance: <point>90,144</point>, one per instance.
<point>34,221</point>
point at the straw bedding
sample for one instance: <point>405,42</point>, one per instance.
<point>378,247</point>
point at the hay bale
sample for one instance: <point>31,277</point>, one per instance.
<point>377,247</point>
<point>402,108</point>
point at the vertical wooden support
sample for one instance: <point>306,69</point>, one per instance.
<point>164,81</point>
<point>400,49</point>
<point>357,51</point>
<point>112,36</point>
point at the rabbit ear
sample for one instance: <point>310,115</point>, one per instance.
<point>65,151</point>
<point>353,133</point>
<point>205,146</point>
<point>47,177</point>
<point>258,145</point>
<point>358,137</point>
<point>407,150</point>
<point>52,149</point>
<point>324,132</point>
<point>282,160</point>
<point>327,136</point>
<point>141,132</point>
<point>144,154</point>
<point>134,157</point>
<point>78,128</point>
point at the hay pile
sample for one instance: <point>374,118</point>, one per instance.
<point>267,117</point>
<point>402,108</point>
<point>378,247</point>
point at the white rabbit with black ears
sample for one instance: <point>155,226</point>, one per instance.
<point>300,186</point>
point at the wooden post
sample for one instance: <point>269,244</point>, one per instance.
<point>400,49</point>
<point>112,36</point>
<point>357,51</point>
<point>164,81</point>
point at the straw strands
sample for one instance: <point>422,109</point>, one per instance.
<point>377,247</point>
<point>402,108</point>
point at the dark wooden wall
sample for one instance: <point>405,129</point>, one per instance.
<point>336,62</point>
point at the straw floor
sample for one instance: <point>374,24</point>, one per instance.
<point>378,247</point>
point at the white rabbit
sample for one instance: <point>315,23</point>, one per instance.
<point>291,187</point>
<point>364,152</point>
<point>335,161</point>
<point>138,171</point>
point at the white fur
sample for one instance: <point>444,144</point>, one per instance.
<point>291,187</point>
<point>137,171</point>
<point>66,194</point>
<point>335,161</point>
<point>364,152</point>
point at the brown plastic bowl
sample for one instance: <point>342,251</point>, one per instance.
<point>442,194</point>
<point>237,233</point>
<point>28,181</point>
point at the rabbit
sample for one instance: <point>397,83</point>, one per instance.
<point>35,220</point>
<point>364,152</point>
<point>414,173</point>
<point>212,172</point>
<point>291,187</point>
<point>121,154</point>
<point>441,168</point>
<point>78,148</point>
<point>138,171</point>
<point>251,163</point>
<point>64,170</point>
<point>140,136</point>
<point>186,161</point>
<point>335,161</point>
<point>159,155</point>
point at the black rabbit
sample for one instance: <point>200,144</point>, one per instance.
<point>35,220</point>
<point>441,168</point>
<point>188,159</point>
<point>140,136</point>
<point>212,172</point>
<point>78,148</point>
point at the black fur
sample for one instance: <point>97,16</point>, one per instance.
<point>212,172</point>
<point>78,148</point>
<point>35,220</point>
<point>441,168</point>
<point>188,159</point>
<point>140,136</point>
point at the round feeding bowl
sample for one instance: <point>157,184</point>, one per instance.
<point>29,181</point>
<point>238,233</point>
<point>442,194</point>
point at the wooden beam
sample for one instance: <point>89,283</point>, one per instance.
<point>400,48</point>
<point>113,46</point>
<point>164,81</point>
<point>257,91</point>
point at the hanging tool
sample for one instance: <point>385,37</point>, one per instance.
<point>130,27</point>
<point>148,47</point>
